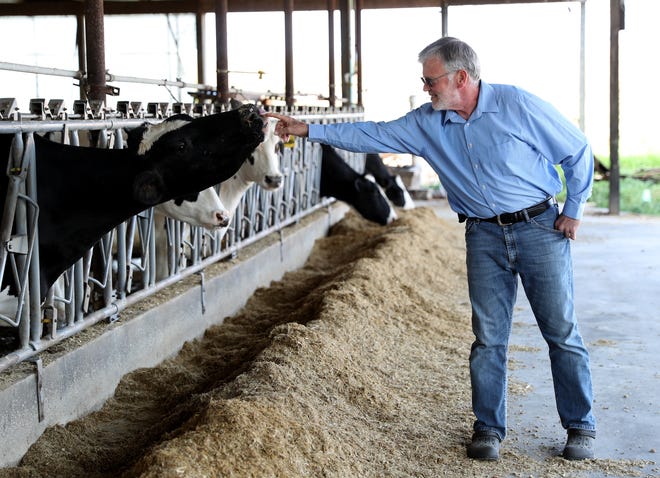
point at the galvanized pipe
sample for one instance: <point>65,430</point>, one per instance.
<point>259,214</point>
<point>78,75</point>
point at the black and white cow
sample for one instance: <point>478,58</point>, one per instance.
<point>262,167</point>
<point>85,192</point>
<point>393,185</point>
<point>340,181</point>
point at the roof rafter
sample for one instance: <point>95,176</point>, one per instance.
<point>133,7</point>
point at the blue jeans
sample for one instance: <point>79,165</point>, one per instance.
<point>541,255</point>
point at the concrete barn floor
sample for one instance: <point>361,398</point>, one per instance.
<point>616,261</point>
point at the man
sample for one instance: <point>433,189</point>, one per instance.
<point>495,148</point>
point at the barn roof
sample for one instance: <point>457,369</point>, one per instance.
<point>117,7</point>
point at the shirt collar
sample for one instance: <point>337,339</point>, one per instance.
<point>487,103</point>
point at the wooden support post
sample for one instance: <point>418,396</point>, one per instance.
<point>288,53</point>
<point>616,24</point>
<point>95,42</point>
<point>222,65</point>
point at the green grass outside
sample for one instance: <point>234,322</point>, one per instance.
<point>632,164</point>
<point>641,197</point>
<point>636,196</point>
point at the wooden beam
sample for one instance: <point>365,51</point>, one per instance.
<point>71,7</point>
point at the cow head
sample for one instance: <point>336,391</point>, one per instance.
<point>370,201</point>
<point>397,193</point>
<point>263,165</point>
<point>182,154</point>
<point>199,209</point>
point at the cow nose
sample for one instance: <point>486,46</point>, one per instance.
<point>274,180</point>
<point>222,218</point>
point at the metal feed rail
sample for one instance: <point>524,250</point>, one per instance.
<point>120,270</point>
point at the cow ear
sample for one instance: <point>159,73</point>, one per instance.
<point>148,188</point>
<point>363,183</point>
<point>134,136</point>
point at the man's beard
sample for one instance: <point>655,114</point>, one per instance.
<point>448,102</point>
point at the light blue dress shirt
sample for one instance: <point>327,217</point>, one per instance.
<point>501,159</point>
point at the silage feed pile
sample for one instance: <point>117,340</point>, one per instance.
<point>353,366</point>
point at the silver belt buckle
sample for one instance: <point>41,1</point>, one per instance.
<point>500,223</point>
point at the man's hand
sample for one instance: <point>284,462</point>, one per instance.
<point>287,126</point>
<point>567,225</point>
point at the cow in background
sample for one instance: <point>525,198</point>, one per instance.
<point>340,181</point>
<point>393,185</point>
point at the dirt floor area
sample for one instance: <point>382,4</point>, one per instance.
<point>353,366</point>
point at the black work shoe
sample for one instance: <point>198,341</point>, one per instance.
<point>579,445</point>
<point>485,446</point>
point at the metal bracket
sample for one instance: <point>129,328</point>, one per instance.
<point>202,288</point>
<point>38,108</point>
<point>40,393</point>
<point>81,109</point>
<point>57,109</point>
<point>112,90</point>
<point>87,295</point>
<point>281,245</point>
<point>8,109</point>
<point>18,244</point>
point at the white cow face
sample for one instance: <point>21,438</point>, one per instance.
<point>263,166</point>
<point>206,210</point>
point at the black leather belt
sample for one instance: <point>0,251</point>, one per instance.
<point>508,218</point>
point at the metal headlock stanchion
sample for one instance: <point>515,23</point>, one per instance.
<point>121,273</point>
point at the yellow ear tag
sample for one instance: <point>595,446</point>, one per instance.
<point>291,142</point>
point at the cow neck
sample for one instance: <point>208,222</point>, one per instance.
<point>232,190</point>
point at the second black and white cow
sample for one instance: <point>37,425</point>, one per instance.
<point>340,181</point>
<point>392,184</point>
<point>262,167</point>
<point>85,192</point>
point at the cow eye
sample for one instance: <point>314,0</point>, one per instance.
<point>181,146</point>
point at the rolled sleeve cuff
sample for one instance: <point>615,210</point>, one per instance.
<point>315,132</point>
<point>573,208</point>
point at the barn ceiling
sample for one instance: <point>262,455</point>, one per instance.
<point>118,7</point>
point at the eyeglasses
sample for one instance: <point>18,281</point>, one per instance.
<point>431,81</point>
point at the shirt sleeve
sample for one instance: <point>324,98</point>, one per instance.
<point>563,144</point>
<point>397,136</point>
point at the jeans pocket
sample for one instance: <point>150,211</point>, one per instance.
<point>546,220</point>
<point>469,226</point>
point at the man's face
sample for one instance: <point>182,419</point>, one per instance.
<point>439,83</point>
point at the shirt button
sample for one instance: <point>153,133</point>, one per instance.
<point>469,145</point>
